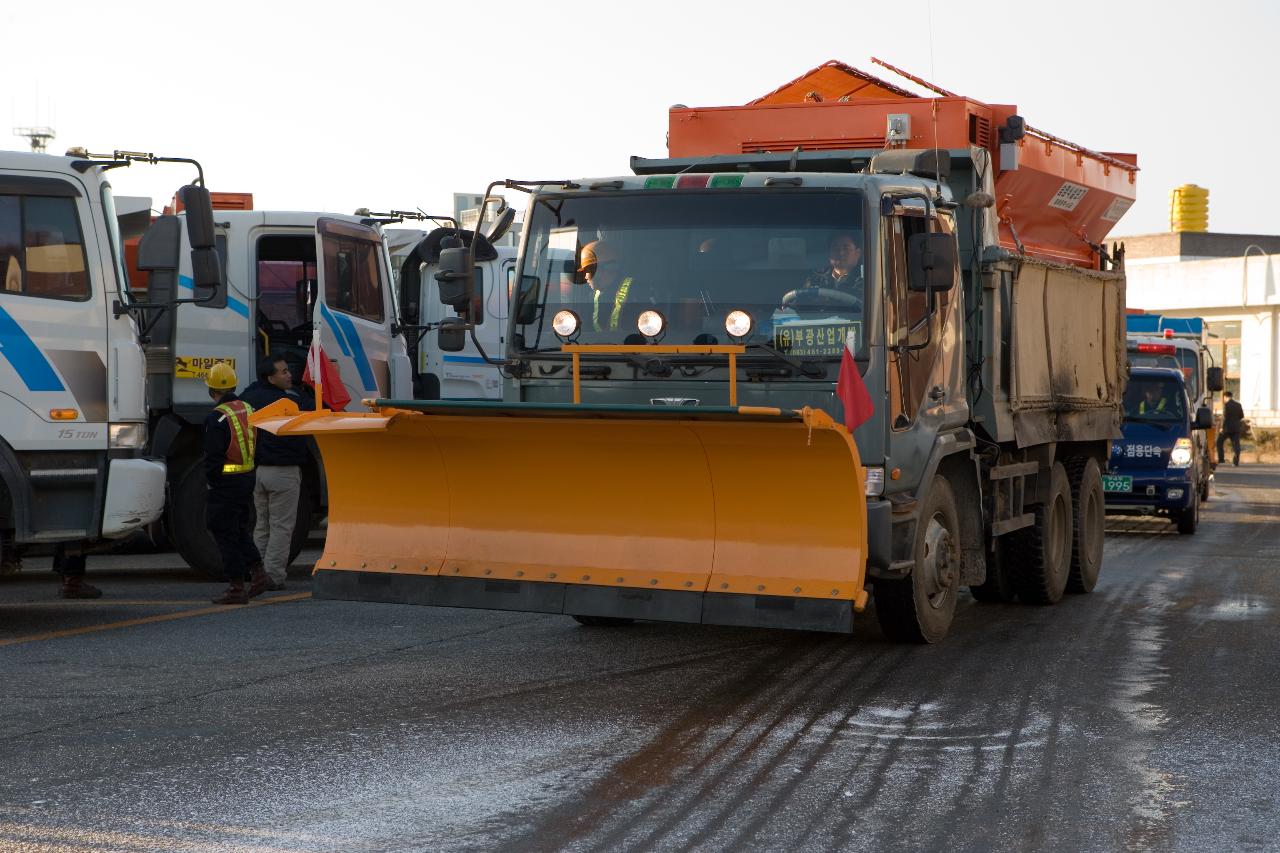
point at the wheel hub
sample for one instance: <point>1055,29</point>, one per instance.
<point>940,561</point>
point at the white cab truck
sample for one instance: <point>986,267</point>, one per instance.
<point>277,266</point>
<point>472,372</point>
<point>73,409</point>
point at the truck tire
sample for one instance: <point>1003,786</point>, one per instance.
<point>1188,519</point>
<point>602,621</point>
<point>1206,489</point>
<point>1040,555</point>
<point>1088,519</point>
<point>186,524</point>
<point>10,559</point>
<point>920,607</point>
<point>998,588</point>
<point>191,537</point>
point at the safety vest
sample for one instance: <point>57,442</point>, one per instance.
<point>244,438</point>
<point>619,299</point>
<point>1159,407</point>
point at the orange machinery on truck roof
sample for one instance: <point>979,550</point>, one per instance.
<point>1055,200</point>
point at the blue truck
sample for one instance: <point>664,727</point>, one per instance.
<point>1155,469</point>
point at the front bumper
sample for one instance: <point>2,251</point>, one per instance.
<point>1154,490</point>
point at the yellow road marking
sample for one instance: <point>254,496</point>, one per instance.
<point>102,602</point>
<point>146,620</point>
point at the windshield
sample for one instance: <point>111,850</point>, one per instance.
<point>113,231</point>
<point>1181,359</point>
<point>1154,400</point>
<point>792,261</point>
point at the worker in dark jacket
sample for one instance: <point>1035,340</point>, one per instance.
<point>228,466</point>
<point>1232,428</point>
<point>279,473</point>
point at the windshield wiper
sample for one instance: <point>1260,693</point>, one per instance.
<point>811,369</point>
<point>1142,419</point>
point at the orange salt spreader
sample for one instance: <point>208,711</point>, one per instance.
<point>1055,200</point>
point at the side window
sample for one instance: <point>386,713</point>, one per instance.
<point>351,277</point>
<point>914,333</point>
<point>41,247</point>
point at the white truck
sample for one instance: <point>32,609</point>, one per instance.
<point>73,421</point>
<point>277,266</point>
<point>466,374</point>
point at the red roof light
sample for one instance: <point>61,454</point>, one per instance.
<point>1163,349</point>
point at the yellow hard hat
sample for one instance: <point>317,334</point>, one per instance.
<point>222,377</point>
<point>595,252</point>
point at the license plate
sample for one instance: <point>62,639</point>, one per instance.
<point>1115,483</point>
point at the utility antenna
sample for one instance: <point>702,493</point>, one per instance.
<point>40,137</point>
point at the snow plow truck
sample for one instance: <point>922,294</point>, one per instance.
<point>671,444</point>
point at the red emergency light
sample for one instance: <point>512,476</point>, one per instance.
<point>1168,333</point>
<point>1162,349</point>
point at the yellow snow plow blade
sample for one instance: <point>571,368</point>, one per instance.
<point>740,516</point>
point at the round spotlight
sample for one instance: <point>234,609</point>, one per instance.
<point>565,324</point>
<point>651,323</point>
<point>738,324</point>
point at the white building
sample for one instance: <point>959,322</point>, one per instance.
<point>1233,282</point>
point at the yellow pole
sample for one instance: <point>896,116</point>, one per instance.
<point>733,379</point>
<point>577,386</point>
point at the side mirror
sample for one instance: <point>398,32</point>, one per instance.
<point>931,262</point>
<point>206,272</point>
<point>451,336</point>
<point>456,278</point>
<point>1213,379</point>
<point>502,226</point>
<point>526,307</point>
<point>199,209</point>
<point>1204,418</point>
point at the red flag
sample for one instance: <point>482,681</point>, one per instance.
<point>335,393</point>
<point>851,390</point>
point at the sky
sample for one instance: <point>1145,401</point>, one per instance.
<point>385,105</point>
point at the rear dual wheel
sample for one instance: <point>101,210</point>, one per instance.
<point>1040,555</point>
<point>1088,515</point>
<point>921,607</point>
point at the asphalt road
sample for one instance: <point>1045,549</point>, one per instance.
<point>1143,716</point>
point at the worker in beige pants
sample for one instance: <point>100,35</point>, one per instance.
<point>279,464</point>
<point>275,498</point>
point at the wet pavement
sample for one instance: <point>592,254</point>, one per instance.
<point>1142,716</point>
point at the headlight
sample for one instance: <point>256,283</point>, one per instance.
<point>650,323</point>
<point>565,324</point>
<point>1181,455</point>
<point>875,481</point>
<point>126,436</point>
<point>738,324</point>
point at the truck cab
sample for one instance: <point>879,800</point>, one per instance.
<point>73,417</point>
<point>471,373</point>
<point>285,276</point>
<point>1154,468</point>
<point>1180,343</point>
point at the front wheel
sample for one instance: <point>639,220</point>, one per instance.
<point>187,526</point>
<point>921,607</point>
<point>1188,519</point>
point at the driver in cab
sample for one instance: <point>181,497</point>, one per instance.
<point>844,267</point>
<point>610,289</point>
<point>1153,400</point>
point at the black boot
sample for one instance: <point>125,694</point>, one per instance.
<point>234,594</point>
<point>74,586</point>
